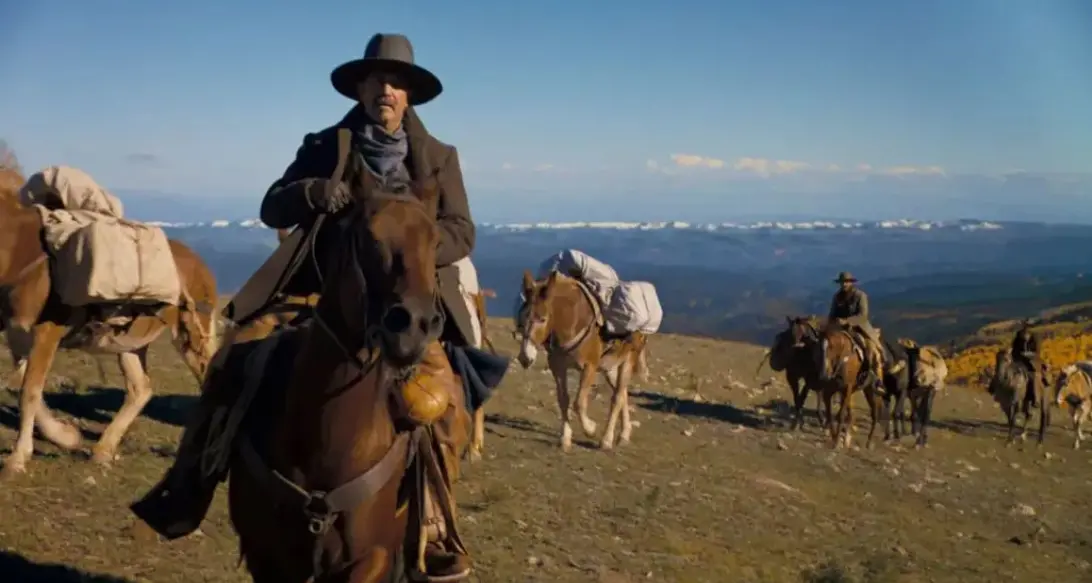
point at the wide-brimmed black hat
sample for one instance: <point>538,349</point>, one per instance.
<point>844,277</point>
<point>388,52</point>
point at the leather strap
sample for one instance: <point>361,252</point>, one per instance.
<point>268,281</point>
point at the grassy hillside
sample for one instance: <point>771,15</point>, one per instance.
<point>712,489</point>
<point>1065,333</point>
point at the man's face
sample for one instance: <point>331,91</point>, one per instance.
<point>847,285</point>
<point>383,95</point>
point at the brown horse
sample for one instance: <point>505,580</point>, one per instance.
<point>842,372</point>
<point>793,351</point>
<point>562,316</point>
<point>477,440</point>
<point>1074,386</point>
<point>38,325</point>
<point>326,502</point>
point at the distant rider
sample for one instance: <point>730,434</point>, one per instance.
<point>1025,351</point>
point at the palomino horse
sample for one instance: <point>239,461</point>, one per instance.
<point>793,351</point>
<point>477,440</point>
<point>560,314</point>
<point>926,373</point>
<point>841,372</point>
<point>325,500</point>
<point>1009,388</point>
<point>38,325</point>
<point>1074,386</point>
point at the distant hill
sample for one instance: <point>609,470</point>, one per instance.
<point>934,281</point>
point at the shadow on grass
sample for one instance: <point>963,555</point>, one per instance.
<point>17,568</point>
<point>99,404</point>
<point>541,433</point>
<point>690,408</point>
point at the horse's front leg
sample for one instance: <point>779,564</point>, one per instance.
<point>887,414</point>
<point>587,380</point>
<point>799,396</point>
<point>874,409</point>
<point>925,415</point>
<point>900,412</point>
<point>1010,415</point>
<point>1080,414</point>
<point>138,391</point>
<point>477,442</point>
<point>820,417</point>
<point>561,385</point>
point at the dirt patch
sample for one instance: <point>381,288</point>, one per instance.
<point>713,488</point>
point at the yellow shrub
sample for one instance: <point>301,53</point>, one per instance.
<point>1061,344</point>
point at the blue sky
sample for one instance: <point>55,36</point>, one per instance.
<point>568,110</point>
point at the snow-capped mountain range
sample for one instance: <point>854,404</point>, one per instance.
<point>963,225</point>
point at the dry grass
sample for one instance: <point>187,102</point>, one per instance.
<point>711,489</point>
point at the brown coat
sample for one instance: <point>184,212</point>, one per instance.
<point>852,306</point>
<point>284,207</point>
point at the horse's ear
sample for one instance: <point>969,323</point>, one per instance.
<point>788,320</point>
<point>552,279</point>
<point>528,280</point>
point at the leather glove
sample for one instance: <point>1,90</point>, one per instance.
<point>324,200</point>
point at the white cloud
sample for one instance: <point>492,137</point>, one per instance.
<point>695,161</point>
<point>913,171</point>
<point>543,167</point>
<point>507,166</point>
<point>767,167</point>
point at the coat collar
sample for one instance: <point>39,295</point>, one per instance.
<point>420,164</point>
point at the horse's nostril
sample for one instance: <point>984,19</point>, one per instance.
<point>397,319</point>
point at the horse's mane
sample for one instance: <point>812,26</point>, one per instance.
<point>10,183</point>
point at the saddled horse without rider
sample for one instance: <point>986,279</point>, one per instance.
<point>919,382</point>
<point>37,325</point>
<point>794,352</point>
<point>560,314</point>
<point>1074,387</point>
<point>477,440</point>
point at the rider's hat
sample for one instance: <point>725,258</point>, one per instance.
<point>388,52</point>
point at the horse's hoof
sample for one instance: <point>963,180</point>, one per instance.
<point>590,429</point>
<point>623,441</point>
<point>606,445</point>
<point>12,470</point>
<point>474,456</point>
<point>103,457</point>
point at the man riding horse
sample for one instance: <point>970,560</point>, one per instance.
<point>1025,351</point>
<point>390,143</point>
<point>849,307</point>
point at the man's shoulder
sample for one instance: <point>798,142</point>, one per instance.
<point>438,149</point>
<point>321,138</point>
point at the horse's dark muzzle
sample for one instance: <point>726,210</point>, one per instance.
<point>408,328</point>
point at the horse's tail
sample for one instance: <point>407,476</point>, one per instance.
<point>765,359</point>
<point>642,361</point>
